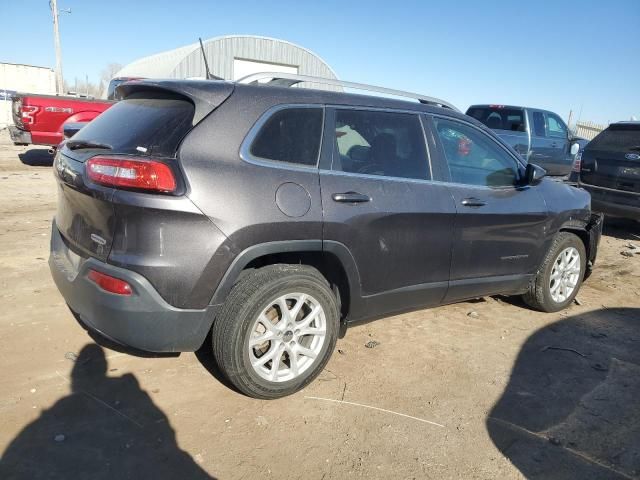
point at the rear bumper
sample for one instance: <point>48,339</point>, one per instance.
<point>615,203</point>
<point>19,137</point>
<point>142,320</point>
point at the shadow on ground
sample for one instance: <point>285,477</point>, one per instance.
<point>571,408</point>
<point>106,428</point>
<point>622,228</point>
<point>36,157</point>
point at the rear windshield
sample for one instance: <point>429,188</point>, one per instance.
<point>142,125</point>
<point>499,118</point>
<point>617,138</point>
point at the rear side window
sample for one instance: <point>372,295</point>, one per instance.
<point>624,138</point>
<point>139,125</point>
<point>291,135</point>
<point>539,129</point>
<point>474,158</point>
<point>380,143</point>
<point>499,118</point>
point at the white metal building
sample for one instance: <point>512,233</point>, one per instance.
<point>22,78</point>
<point>230,57</point>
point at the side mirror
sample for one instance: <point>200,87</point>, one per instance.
<point>575,148</point>
<point>534,174</point>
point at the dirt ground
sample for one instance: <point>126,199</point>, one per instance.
<point>504,392</point>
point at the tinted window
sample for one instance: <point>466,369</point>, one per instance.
<point>555,126</point>
<point>474,158</point>
<point>538,124</point>
<point>291,135</point>
<point>380,143</point>
<point>138,125</point>
<point>624,138</point>
<point>499,118</point>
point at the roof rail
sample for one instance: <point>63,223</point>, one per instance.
<point>278,79</point>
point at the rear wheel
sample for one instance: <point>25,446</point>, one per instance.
<point>276,330</point>
<point>560,276</point>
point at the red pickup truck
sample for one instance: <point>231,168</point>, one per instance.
<point>40,119</point>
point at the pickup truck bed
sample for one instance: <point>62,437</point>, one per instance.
<point>40,119</point>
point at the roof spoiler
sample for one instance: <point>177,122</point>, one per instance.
<point>206,95</point>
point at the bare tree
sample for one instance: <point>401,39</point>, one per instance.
<point>109,72</point>
<point>84,87</point>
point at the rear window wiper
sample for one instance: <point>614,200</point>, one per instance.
<point>79,144</point>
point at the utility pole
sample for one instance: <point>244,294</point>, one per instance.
<point>56,40</point>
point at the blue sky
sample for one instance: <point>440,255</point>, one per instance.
<point>559,55</point>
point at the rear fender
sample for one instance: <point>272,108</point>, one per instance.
<point>338,250</point>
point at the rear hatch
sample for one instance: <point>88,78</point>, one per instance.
<point>147,125</point>
<point>612,159</point>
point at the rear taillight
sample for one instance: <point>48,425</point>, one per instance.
<point>110,284</point>
<point>17,111</point>
<point>577,162</point>
<point>131,173</point>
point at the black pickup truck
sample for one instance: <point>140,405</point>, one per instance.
<point>540,136</point>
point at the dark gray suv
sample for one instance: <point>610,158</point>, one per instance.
<point>270,217</point>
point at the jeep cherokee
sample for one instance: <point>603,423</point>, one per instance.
<point>263,219</point>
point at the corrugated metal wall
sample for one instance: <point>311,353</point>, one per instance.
<point>588,130</point>
<point>221,52</point>
<point>187,62</point>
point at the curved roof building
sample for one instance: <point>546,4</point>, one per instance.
<point>231,57</point>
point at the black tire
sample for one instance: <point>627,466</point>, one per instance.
<point>539,294</point>
<point>232,327</point>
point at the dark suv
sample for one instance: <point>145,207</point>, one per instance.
<point>609,168</point>
<point>270,217</point>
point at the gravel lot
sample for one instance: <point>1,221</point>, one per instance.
<point>485,389</point>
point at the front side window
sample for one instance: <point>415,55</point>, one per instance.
<point>290,135</point>
<point>474,158</point>
<point>380,143</point>
<point>555,126</point>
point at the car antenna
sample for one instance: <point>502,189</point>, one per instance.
<point>210,76</point>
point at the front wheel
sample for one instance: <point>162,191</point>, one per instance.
<point>276,330</point>
<point>560,276</point>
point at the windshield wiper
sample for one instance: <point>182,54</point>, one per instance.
<point>79,144</point>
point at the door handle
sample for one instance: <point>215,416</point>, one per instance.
<point>473,202</point>
<point>350,197</point>
<point>554,144</point>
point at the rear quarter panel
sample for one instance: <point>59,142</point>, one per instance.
<point>239,197</point>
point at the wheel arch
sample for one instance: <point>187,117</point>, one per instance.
<point>332,259</point>
<point>579,231</point>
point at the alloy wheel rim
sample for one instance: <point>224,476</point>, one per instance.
<point>287,337</point>
<point>565,275</point>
